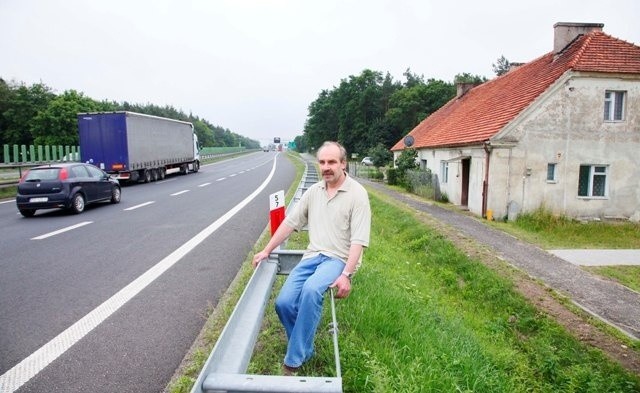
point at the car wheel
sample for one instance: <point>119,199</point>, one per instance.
<point>116,195</point>
<point>27,212</point>
<point>77,203</point>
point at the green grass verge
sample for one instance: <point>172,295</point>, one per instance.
<point>424,317</point>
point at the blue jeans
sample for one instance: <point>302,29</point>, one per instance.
<point>299,304</point>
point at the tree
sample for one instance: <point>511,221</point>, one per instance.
<point>501,66</point>
<point>57,124</point>
<point>380,155</point>
<point>466,77</point>
<point>23,104</point>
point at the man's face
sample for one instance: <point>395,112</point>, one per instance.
<point>330,165</point>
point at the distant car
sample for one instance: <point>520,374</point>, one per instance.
<point>367,161</point>
<point>69,186</point>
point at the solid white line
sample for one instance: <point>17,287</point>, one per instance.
<point>9,201</point>
<point>179,192</point>
<point>41,358</point>
<point>204,184</point>
<point>59,231</point>
<point>138,206</point>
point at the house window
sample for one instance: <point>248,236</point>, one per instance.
<point>551,172</point>
<point>444,172</point>
<point>593,181</point>
<point>614,105</point>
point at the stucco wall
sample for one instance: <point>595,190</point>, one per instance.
<point>566,126</point>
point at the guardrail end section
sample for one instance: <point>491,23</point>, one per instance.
<point>271,383</point>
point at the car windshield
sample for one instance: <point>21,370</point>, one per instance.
<point>42,174</point>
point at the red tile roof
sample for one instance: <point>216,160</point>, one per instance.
<point>484,110</point>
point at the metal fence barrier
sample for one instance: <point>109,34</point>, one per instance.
<point>225,369</point>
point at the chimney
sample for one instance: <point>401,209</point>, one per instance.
<point>565,32</point>
<point>464,87</point>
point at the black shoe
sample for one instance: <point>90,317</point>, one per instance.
<point>290,371</point>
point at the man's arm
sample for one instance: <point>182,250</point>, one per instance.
<point>343,283</point>
<point>282,233</point>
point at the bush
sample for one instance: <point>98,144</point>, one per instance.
<point>393,176</point>
<point>377,175</point>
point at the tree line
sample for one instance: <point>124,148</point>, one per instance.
<point>35,115</point>
<point>370,112</point>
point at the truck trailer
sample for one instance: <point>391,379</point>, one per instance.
<point>136,147</point>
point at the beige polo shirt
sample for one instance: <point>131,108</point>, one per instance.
<point>334,224</point>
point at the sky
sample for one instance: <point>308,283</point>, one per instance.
<point>254,66</point>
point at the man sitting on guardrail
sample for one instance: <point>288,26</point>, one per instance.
<point>337,213</point>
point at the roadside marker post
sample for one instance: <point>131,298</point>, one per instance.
<point>276,210</point>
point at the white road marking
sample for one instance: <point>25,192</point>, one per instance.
<point>138,206</point>
<point>9,201</point>
<point>41,358</point>
<point>221,179</point>
<point>204,184</point>
<point>179,192</point>
<point>232,175</point>
<point>59,231</point>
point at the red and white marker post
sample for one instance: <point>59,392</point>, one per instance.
<point>276,210</point>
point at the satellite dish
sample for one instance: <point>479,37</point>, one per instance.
<point>408,141</point>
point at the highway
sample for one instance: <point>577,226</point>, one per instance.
<point>111,300</point>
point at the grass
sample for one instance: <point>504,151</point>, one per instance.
<point>550,232</point>
<point>424,317</point>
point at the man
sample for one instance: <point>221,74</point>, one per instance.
<point>338,215</point>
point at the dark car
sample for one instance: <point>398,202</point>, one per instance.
<point>69,186</point>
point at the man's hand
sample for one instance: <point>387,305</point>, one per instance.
<point>344,286</point>
<point>262,255</point>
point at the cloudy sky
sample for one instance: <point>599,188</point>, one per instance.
<point>254,66</point>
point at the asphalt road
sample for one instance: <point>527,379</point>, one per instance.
<point>113,305</point>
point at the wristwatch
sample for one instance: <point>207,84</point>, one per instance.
<point>348,275</point>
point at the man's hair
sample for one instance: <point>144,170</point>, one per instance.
<point>343,151</point>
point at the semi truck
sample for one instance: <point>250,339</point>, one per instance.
<point>137,148</point>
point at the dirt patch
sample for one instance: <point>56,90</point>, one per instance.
<point>542,297</point>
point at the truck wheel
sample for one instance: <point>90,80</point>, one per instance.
<point>116,195</point>
<point>146,176</point>
<point>196,166</point>
<point>161,173</point>
<point>184,169</point>
<point>154,174</point>
<point>77,203</point>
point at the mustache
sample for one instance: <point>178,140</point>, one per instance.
<point>327,172</point>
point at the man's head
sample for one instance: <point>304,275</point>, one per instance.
<point>332,158</point>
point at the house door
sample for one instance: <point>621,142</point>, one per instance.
<point>464,196</point>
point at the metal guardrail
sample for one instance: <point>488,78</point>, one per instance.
<point>225,369</point>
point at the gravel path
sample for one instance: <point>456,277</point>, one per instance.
<point>607,300</point>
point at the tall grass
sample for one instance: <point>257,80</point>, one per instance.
<point>423,317</point>
<point>553,231</point>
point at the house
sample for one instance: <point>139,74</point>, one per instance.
<point>560,132</point>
